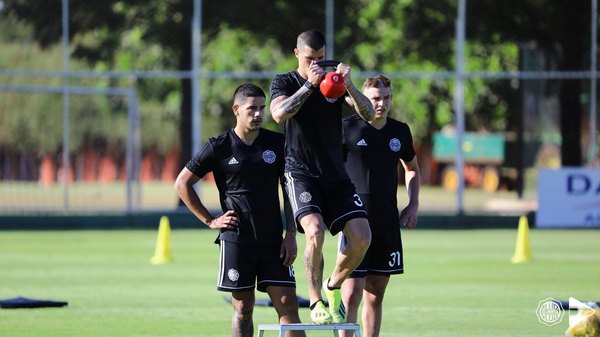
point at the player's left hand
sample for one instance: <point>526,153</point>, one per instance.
<point>344,70</point>
<point>408,216</point>
<point>289,249</point>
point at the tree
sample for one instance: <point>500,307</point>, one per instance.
<point>560,28</point>
<point>166,23</point>
<point>388,36</point>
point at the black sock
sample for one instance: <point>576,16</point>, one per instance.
<point>312,306</point>
<point>331,288</point>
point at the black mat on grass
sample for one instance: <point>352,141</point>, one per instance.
<point>30,303</point>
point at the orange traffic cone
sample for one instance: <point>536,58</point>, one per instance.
<point>162,253</point>
<point>523,246</point>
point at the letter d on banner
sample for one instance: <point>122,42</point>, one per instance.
<point>568,197</point>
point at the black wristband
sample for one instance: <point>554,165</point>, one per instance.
<point>309,85</point>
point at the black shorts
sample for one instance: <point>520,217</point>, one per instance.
<point>384,256</point>
<point>241,267</point>
<point>337,202</point>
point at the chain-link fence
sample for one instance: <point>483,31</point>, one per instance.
<point>96,119</point>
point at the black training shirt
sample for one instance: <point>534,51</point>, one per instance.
<point>372,157</point>
<point>313,135</point>
<point>247,177</point>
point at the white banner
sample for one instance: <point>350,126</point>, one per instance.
<point>568,197</point>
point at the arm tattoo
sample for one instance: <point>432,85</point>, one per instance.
<point>363,107</point>
<point>293,103</point>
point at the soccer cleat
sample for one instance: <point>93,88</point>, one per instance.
<point>319,313</point>
<point>336,307</point>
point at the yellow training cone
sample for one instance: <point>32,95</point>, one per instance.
<point>523,247</point>
<point>162,253</point>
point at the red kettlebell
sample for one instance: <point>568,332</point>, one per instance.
<point>333,85</point>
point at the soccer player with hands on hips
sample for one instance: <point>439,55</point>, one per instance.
<point>248,164</point>
<point>373,149</point>
<point>321,194</point>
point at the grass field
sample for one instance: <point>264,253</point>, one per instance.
<point>457,283</point>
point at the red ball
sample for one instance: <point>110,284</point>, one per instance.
<point>333,85</point>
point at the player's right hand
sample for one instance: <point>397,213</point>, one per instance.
<point>228,220</point>
<point>315,73</point>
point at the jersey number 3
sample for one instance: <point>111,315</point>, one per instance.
<point>358,202</point>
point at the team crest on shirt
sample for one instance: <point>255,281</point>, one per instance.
<point>305,197</point>
<point>395,144</point>
<point>331,100</point>
<point>233,275</point>
<point>269,156</point>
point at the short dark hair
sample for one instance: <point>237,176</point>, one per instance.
<point>378,81</point>
<point>247,90</point>
<point>312,38</point>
